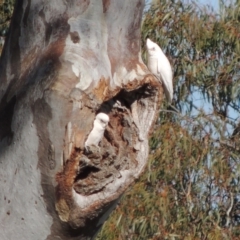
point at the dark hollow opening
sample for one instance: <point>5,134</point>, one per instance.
<point>85,172</point>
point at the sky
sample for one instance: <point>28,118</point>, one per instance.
<point>213,3</point>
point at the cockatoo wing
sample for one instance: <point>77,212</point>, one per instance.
<point>95,136</point>
<point>165,71</point>
<point>99,125</point>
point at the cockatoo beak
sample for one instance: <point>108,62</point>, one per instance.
<point>150,44</point>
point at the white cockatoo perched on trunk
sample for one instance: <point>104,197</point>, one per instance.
<point>99,125</point>
<point>159,65</point>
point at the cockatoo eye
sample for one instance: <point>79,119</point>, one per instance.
<point>103,122</point>
<point>151,49</point>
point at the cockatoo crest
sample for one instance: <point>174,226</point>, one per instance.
<point>99,125</point>
<point>159,65</point>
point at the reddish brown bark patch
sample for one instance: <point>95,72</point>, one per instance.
<point>75,37</point>
<point>65,182</point>
<point>101,90</point>
<point>106,4</point>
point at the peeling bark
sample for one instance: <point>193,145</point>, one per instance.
<point>64,62</point>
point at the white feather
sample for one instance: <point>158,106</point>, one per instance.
<point>99,125</point>
<point>159,65</point>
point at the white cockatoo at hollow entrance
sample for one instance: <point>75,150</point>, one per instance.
<point>99,125</point>
<point>159,65</point>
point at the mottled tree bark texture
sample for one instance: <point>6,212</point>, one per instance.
<point>63,63</point>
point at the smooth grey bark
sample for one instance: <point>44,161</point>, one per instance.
<point>62,63</point>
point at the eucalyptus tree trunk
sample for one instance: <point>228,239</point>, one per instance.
<point>63,62</point>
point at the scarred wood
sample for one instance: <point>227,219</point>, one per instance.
<point>64,62</point>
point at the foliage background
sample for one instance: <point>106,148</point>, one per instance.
<point>190,188</point>
<point>6,10</point>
